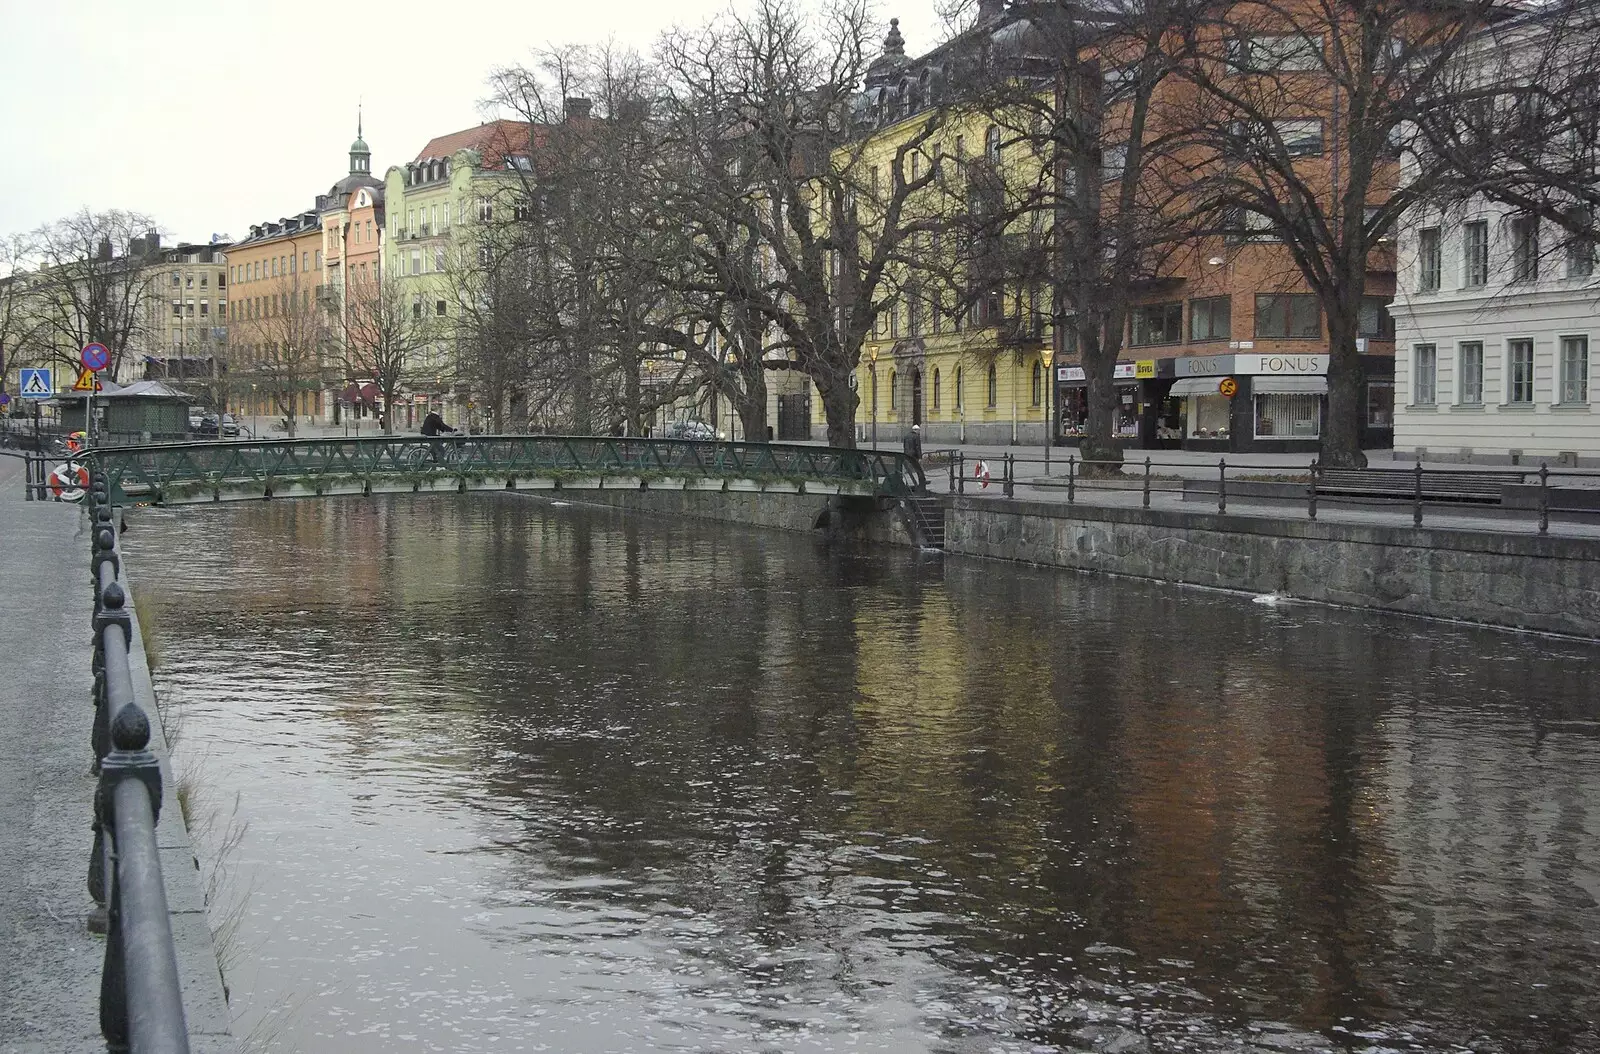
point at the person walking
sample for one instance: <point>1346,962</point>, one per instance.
<point>912,444</point>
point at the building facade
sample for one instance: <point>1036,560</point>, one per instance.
<point>282,340</point>
<point>185,335</point>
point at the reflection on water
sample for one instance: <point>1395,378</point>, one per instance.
<point>524,778</point>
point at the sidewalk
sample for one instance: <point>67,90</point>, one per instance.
<point>50,998</point>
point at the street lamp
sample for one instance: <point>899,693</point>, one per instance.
<point>1049,356</point>
<point>872,367</point>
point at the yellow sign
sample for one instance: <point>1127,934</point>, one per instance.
<point>87,382</point>
<point>1228,387</point>
<point>1144,368</point>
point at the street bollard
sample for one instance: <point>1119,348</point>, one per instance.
<point>1544,498</point>
<point>1311,493</point>
<point>1416,497</point>
<point>1222,484</point>
<point>1147,482</point>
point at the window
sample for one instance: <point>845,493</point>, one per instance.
<point>416,307</point>
<point>1113,159</point>
<point>1301,138</point>
<point>1211,318</point>
<point>1519,372</point>
<point>188,281</point>
<point>275,260</point>
<point>1296,316</point>
<point>1424,374</point>
<point>416,261</point>
<point>1243,225</point>
<point>914,312</point>
<point>291,263</point>
<point>1524,248</point>
<point>1469,373</point>
<point>318,260</point>
<point>1428,259</point>
<point>936,387</point>
<point>994,388</point>
<point>439,308</point>
<point>894,321</point>
<point>1267,52</point>
<point>485,211</point>
<point>1475,254</point>
<point>411,220</point>
<point>188,308</point>
<point>894,390</point>
<point>177,280</point>
<point>1156,324</point>
<point>1288,416</point>
<point>204,281</point>
<point>991,145</point>
<point>1038,382</point>
<point>205,308</point>
<point>960,398</point>
<point>1375,322</point>
<point>177,309</point>
<point>1580,252</point>
<point>1574,370</point>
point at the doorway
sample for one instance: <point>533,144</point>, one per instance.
<point>916,395</point>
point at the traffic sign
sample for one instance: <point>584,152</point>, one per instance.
<point>95,357</point>
<point>5,398</point>
<point>87,381</point>
<point>36,384</point>
<point>1228,387</point>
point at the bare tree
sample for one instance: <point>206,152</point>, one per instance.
<point>791,207</point>
<point>1299,114</point>
<point>88,285</point>
<point>287,346</point>
<point>387,334</point>
<point>16,321</point>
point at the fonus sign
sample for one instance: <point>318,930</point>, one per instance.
<point>1283,365</point>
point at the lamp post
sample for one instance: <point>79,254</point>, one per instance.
<point>872,368</point>
<point>1049,356</point>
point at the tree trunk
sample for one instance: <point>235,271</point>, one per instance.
<point>839,402</point>
<point>1341,432</point>
<point>1099,369</point>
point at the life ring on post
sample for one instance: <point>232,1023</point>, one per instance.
<point>68,481</point>
<point>980,472</point>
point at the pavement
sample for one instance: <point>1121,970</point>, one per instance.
<point>49,962</point>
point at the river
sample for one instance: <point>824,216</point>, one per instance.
<point>491,774</point>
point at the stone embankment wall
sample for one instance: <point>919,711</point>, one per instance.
<point>1550,584</point>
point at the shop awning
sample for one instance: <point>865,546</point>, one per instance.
<point>1289,385</point>
<point>1195,386</point>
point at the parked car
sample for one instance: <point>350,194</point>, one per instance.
<point>230,427</point>
<point>210,425</point>
<point>691,430</point>
<point>197,414</point>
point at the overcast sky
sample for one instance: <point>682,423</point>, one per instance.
<point>211,115</point>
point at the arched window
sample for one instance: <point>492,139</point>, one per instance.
<point>936,387</point>
<point>1038,382</point>
<point>960,395</point>
<point>991,145</point>
<point>894,389</point>
<point>994,388</point>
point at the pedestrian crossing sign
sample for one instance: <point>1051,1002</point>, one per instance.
<point>87,381</point>
<point>36,384</point>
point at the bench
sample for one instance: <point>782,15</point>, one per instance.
<point>1483,487</point>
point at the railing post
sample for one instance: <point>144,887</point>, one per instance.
<point>1544,497</point>
<point>1222,484</point>
<point>1072,476</point>
<point>1147,481</point>
<point>961,472</point>
<point>1011,469</point>
<point>1416,496</point>
<point>1311,492</point>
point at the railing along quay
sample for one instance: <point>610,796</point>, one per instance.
<point>1419,488</point>
<point>141,1002</point>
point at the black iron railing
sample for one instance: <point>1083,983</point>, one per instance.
<point>141,1003</point>
<point>179,471</point>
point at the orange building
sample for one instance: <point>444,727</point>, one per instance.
<point>278,327</point>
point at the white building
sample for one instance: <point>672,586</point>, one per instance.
<point>1495,317</point>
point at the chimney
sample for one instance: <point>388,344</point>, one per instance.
<point>989,10</point>
<point>104,253</point>
<point>576,108</point>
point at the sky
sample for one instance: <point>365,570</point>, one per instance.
<point>211,115</point>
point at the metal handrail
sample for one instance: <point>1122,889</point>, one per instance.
<point>148,471</point>
<point>141,999</point>
<point>1410,483</point>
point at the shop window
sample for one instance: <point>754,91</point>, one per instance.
<point>1295,316</point>
<point>1211,318</point>
<point>1157,324</point>
<point>1209,416</point>
<point>1288,416</point>
<point>1380,404</point>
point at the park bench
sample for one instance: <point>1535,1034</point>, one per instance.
<point>1465,486</point>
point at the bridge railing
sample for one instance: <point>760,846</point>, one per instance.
<point>141,1002</point>
<point>151,471</point>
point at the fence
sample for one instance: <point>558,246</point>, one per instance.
<point>141,1004</point>
<point>1536,493</point>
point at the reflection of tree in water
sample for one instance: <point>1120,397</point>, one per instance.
<point>859,756</point>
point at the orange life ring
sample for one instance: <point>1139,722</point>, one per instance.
<point>68,481</point>
<point>980,472</point>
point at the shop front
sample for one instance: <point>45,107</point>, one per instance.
<point>1251,403</point>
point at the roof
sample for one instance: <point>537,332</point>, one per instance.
<point>150,390</point>
<point>494,140</point>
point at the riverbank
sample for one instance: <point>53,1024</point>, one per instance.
<point>1464,569</point>
<point>50,1001</point>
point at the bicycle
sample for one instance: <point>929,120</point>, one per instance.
<point>433,453</point>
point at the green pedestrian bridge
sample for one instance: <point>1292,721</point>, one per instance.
<point>195,472</point>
